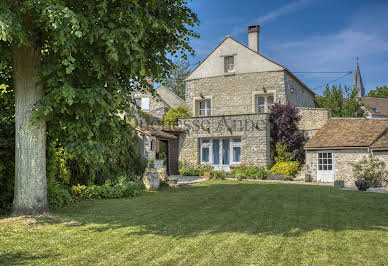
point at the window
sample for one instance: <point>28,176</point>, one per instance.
<point>375,110</point>
<point>143,103</point>
<point>221,152</point>
<point>236,150</point>
<point>325,161</point>
<point>205,151</point>
<point>229,64</point>
<point>204,108</point>
<point>152,145</point>
<point>263,102</point>
<point>138,102</point>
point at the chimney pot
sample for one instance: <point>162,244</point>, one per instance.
<point>253,37</point>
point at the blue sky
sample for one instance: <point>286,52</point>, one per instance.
<point>304,35</point>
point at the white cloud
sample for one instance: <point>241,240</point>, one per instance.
<point>294,6</point>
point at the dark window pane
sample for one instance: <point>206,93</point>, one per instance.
<point>324,167</point>
<point>330,161</point>
<point>320,167</point>
<point>325,155</point>
<point>205,154</point>
<point>216,151</point>
<point>329,167</point>
<point>319,155</point>
<point>324,161</point>
<point>319,161</point>
<point>225,152</point>
<point>236,154</point>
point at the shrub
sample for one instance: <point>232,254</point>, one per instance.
<point>57,195</point>
<point>186,169</point>
<point>284,120</point>
<point>281,153</point>
<point>172,116</point>
<point>249,172</point>
<point>125,188</point>
<point>285,168</point>
<point>219,174</point>
<point>373,169</point>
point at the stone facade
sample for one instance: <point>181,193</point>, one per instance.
<point>157,107</point>
<point>312,119</point>
<point>343,160</point>
<point>296,92</point>
<point>252,129</point>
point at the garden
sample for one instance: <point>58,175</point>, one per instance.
<point>214,222</point>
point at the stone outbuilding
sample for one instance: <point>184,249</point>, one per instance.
<point>341,142</point>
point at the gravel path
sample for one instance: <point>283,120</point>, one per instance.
<point>376,190</point>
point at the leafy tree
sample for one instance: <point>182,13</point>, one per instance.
<point>342,102</point>
<point>379,92</point>
<point>373,169</point>
<point>171,117</point>
<point>75,64</point>
<point>284,130</point>
<point>177,75</point>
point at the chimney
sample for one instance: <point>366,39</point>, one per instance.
<point>253,37</point>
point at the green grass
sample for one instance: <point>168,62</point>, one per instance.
<point>216,222</point>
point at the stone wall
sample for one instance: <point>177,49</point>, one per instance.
<point>253,129</point>
<point>297,94</point>
<point>312,119</point>
<point>234,94</point>
<point>157,106</point>
<point>343,160</point>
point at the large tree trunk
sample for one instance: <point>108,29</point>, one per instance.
<point>30,196</point>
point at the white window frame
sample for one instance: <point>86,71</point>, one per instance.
<point>235,144</point>
<point>209,144</point>
<point>260,93</point>
<point>207,110</point>
<point>265,105</point>
<point>227,64</point>
<point>327,158</point>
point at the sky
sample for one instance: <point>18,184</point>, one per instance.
<point>304,35</point>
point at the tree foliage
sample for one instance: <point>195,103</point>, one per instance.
<point>342,102</point>
<point>284,120</point>
<point>177,75</point>
<point>171,117</point>
<point>379,92</point>
<point>94,53</point>
<point>373,169</point>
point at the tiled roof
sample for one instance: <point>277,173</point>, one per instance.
<point>381,104</point>
<point>348,132</point>
<point>381,142</point>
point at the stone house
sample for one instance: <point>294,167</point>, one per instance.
<point>154,141</point>
<point>229,94</point>
<point>376,107</point>
<point>341,142</point>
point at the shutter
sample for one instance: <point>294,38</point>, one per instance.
<point>145,103</point>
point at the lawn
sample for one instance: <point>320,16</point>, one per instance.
<point>215,222</point>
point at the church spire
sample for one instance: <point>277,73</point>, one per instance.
<point>357,81</point>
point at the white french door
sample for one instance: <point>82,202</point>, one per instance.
<point>221,153</point>
<point>325,169</point>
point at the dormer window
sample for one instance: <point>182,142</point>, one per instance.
<point>229,64</point>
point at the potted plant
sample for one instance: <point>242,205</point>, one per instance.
<point>207,174</point>
<point>362,184</point>
<point>339,183</point>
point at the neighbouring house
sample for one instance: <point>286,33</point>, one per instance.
<point>376,107</point>
<point>229,94</point>
<point>156,142</point>
<point>341,142</point>
<point>158,104</point>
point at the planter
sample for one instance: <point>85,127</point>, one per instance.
<point>362,184</point>
<point>207,175</point>
<point>307,178</point>
<point>339,183</point>
<point>151,179</point>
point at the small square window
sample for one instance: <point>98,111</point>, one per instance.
<point>204,108</point>
<point>138,102</point>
